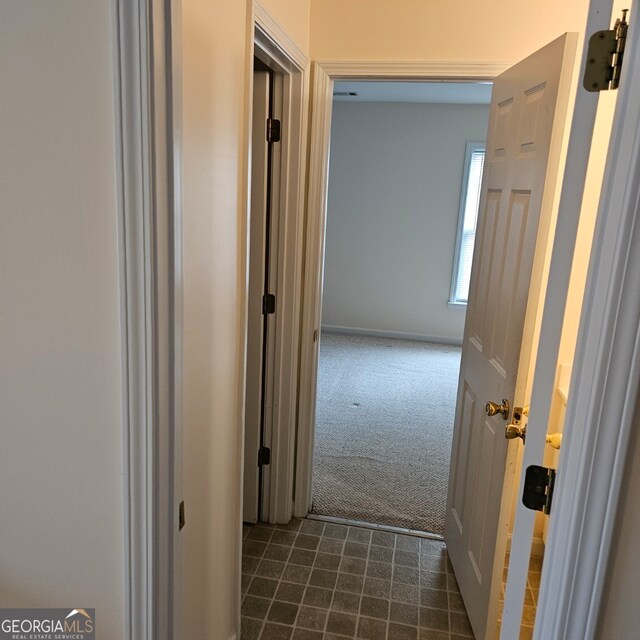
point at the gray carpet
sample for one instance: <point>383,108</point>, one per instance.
<point>384,425</point>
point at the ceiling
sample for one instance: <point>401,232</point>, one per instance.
<point>427,92</point>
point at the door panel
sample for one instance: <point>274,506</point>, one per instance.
<point>521,127</point>
<point>257,260</point>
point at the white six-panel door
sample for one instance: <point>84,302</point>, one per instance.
<point>521,127</point>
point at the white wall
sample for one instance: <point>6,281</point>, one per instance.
<point>619,613</point>
<point>392,215</point>
<point>61,497</point>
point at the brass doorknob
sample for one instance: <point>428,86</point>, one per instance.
<point>513,431</point>
<point>492,409</point>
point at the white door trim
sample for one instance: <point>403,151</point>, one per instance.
<point>274,47</point>
<point>147,110</point>
<point>604,383</point>
<point>324,74</point>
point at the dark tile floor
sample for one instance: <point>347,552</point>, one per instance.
<point>530,596</point>
<point>312,580</point>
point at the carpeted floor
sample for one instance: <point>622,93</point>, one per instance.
<point>384,425</point>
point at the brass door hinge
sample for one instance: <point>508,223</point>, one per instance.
<point>604,57</point>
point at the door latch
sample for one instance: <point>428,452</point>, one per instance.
<point>515,429</point>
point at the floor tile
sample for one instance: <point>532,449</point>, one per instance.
<point>374,607</point>
<point>434,598</point>
<point>302,557</point>
<point>296,573</point>
<point>273,631</point>
<point>372,629</point>
<point>350,582</point>
<point>405,593</point>
<point>264,587</point>
<point>284,612</point>
<point>355,549</point>
<point>328,561</point>
<point>312,580</point>
<point>254,607</point>
<point>377,587</point>
<point>305,541</point>
<point>342,623</point>
<point>353,565</point>
<point>383,539</point>
<point>329,545</point>
<point>323,578</point>
<point>311,618</point>
<point>345,602</point>
<point>430,634</point>
<point>402,632</point>
<point>312,527</point>
<point>380,554</point>
<point>379,570</point>
<point>404,613</point>
<point>408,543</point>
<point>306,634</point>
<point>335,531</point>
<point>437,619</point>
<point>277,552</point>
<point>251,628</point>
<point>356,534</point>
<point>317,597</point>
<point>460,624</point>
<point>290,592</point>
<point>270,569</point>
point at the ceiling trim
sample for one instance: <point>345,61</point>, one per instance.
<point>418,70</point>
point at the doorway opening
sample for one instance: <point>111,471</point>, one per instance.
<point>403,193</point>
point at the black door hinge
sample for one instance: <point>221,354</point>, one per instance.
<point>604,57</point>
<point>181,516</point>
<point>268,303</point>
<point>273,130</point>
<point>264,456</point>
<point>538,488</point>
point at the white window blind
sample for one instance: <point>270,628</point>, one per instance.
<point>470,202</point>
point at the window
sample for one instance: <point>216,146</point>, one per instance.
<point>469,203</point>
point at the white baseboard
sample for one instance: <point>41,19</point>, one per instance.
<point>537,547</point>
<point>356,331</point>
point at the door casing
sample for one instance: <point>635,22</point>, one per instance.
<point>276,50</point>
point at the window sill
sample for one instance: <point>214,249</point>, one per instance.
<point>456,305</point>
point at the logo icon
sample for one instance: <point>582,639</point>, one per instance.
<point>47,624</point>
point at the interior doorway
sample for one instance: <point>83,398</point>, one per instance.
<point>403,194</point>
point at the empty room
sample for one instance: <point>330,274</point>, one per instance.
<point>405,173</point>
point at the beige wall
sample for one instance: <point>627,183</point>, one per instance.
<point>293,17</point>
<point>217,58</point>
<point>430,30</point>
<point>215,37</point>
<point>392,215</point>
<point>62,529</point>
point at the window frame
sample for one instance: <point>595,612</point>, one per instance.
<point>471,148</point>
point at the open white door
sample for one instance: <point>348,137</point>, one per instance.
<point>581,414</point>
<point>527,118</point>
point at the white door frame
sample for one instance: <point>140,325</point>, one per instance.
<point>324,75</point>
<point>605,381</point>
<point>274,47</point>
<point>147,106</point>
